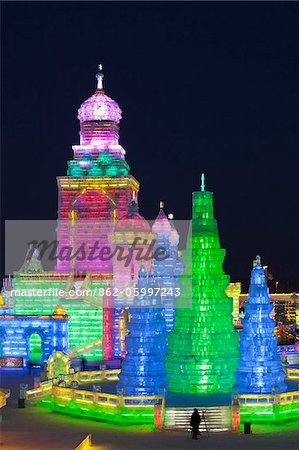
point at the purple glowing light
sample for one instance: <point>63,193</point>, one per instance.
<point>99,107</point>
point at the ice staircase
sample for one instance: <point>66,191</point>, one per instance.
<point>217,418</point>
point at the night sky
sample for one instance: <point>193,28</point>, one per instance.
<point>207,87</point>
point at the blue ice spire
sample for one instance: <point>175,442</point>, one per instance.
<point>260,369</point>
<point>143,369</point>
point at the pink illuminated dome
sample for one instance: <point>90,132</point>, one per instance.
<point>132,221</point>
<point>99,106</point>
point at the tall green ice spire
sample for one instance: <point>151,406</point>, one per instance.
<point>203,345</point>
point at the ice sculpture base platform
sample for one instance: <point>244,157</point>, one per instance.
<point>176,399</point>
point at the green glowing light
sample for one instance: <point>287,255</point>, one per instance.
<point>85,319</point>
<point>203,345</point>
<point>123,415</point>
<point>35,348</point>
<point>269,412</point>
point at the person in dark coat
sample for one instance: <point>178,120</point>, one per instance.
<point>83,363</point>
<point>194,423</point>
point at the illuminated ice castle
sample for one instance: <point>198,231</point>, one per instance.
<point>108,252</point>
<point>97,208</point>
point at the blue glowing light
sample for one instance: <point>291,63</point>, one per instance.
<point>260,368</point>
<point>143,370</point>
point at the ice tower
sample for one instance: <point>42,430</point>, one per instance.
<point>260,370</point>
<point>203,344</point>
<point>168,268</point>
<point>98,187</point>
<point>93,196</point>
<point>143,369</point>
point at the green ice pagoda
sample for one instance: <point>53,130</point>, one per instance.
<point>203,345</point>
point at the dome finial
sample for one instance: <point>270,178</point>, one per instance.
<point>202,187</point>
<point>100,77</point>
<point>161,205</point>
<point>257,261</point>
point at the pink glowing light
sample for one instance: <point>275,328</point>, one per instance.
<point>99,107</point>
